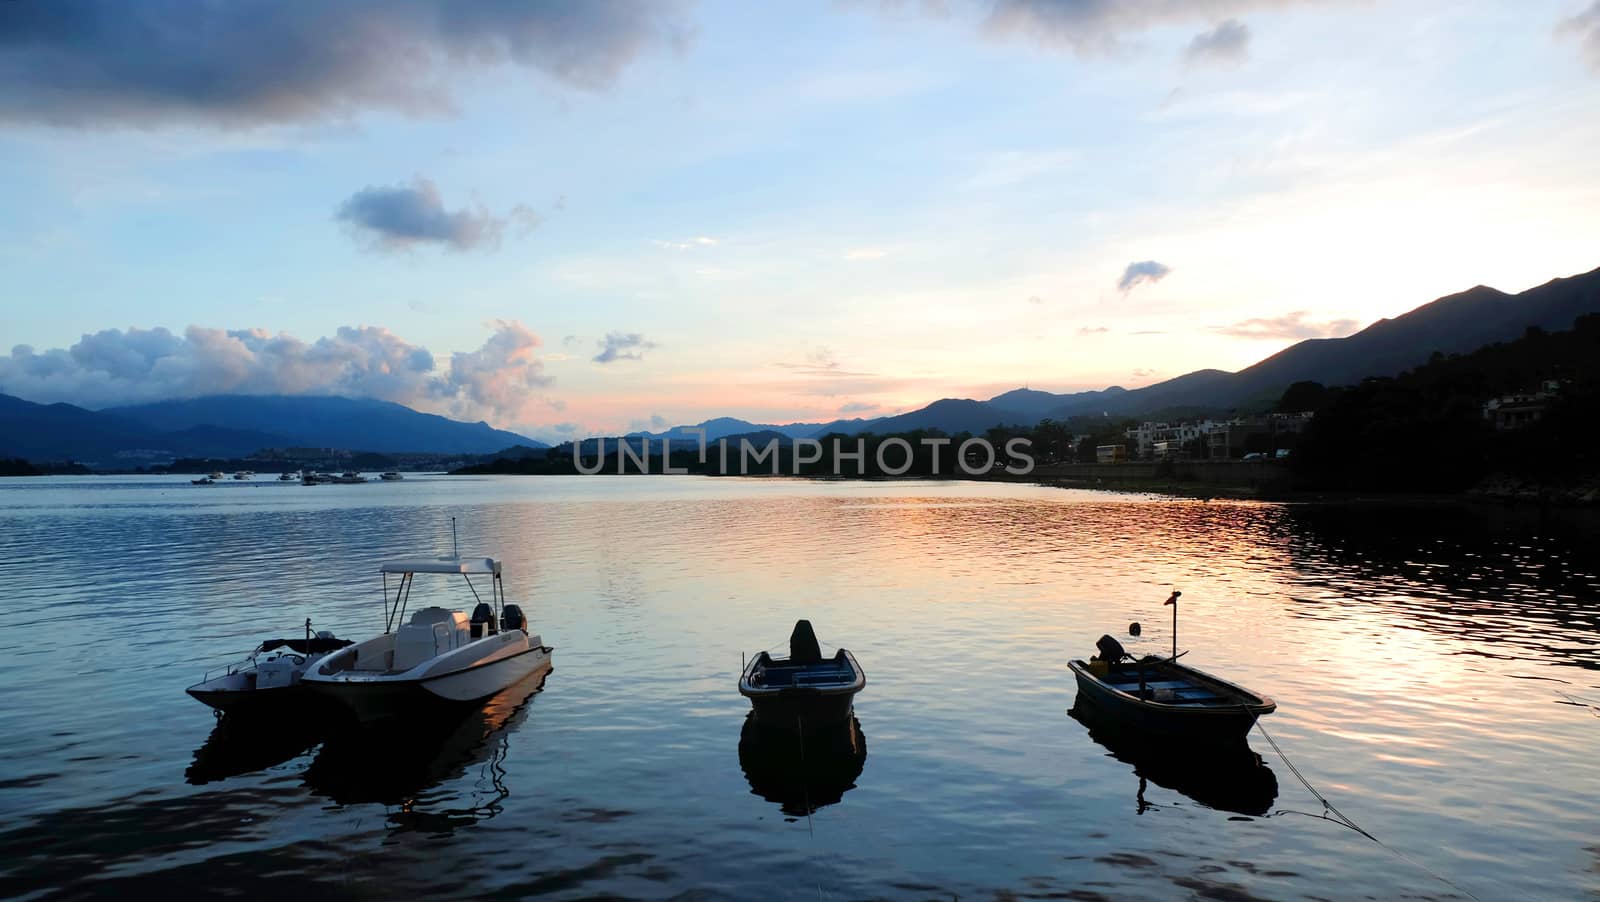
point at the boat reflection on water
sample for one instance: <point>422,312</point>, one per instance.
<point>1225,777</point>
<point>241,744</point>
<point>802,772</point>
<point>400,763</point>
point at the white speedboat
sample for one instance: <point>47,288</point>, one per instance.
<point>390,476</point>
<point>288,477</point>
<point>439,655</point>
<point>269,679</point>
<point>348,477</point>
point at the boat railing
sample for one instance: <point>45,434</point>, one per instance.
<point>229,668</point>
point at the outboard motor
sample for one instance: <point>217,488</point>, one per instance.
<point>803,647</point>
<point>512,618</point>
<point>1111,651</point>
<point>483,621</point>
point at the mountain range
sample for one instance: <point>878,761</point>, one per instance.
<point>227,426</point>
<point>236,425</point>
<point>1454,324</point>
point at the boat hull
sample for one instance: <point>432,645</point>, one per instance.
<point>241,693</point>
<point>379,699</point>
<point>796,710</point>
<point>246,702</point>
<point>1214,724</point>
<point>812,704</point>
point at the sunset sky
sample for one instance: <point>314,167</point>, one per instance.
<point>586,218</point>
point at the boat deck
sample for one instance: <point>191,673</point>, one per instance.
<point>1170,690</point>
<point>778,674</point>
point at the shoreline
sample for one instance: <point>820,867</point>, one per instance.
<point>1503,493</point>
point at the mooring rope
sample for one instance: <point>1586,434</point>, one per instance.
<point>1580,701</point>
<point>1342,819</point>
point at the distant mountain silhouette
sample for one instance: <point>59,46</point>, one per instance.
<point>848,427</point>
<point>53,432</point>
<point>1199,390</point>
<point>232,426</point>
<point>725,427</point>
<point>1042,403</point>
<point>1457,323</point>
<point>950,415</point>
<point>1454,324</point>
<point>327,422</point>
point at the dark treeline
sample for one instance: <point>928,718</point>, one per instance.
<point>919,453</point>
<point>16,466</point>
<point>1425,430</point>
<point>360,460</point>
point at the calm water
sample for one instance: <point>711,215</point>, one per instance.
<point>1418,659</point>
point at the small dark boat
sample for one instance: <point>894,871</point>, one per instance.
<point>804,690</point>
<point>1158,695</point>
<point>269,680</point>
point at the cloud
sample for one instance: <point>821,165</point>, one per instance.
<point>858,407</point>
<point>655,423</point>
<point>622,346</point>
<point>1138,273</point>
<point>866,253</point>
<point>504,375</point>
<point>403,216</point>
<point>820,362</point>
<point>1228,43</point>
<point>1292,325</point>
<point>687,243</point>
<point>249,62</point>
<point>1099,26</point>
<point>1586,26</point>
<point>499,381</point>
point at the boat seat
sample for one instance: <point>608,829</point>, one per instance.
<point>413,644</point>
<point>1156,684</point>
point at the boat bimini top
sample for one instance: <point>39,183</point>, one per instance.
<point>466,568</point>
<point>471,565</point>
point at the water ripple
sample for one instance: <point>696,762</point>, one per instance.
<point>1416,655</point>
